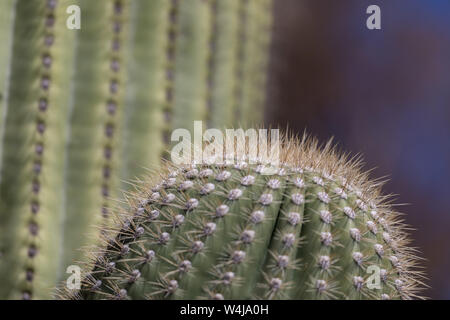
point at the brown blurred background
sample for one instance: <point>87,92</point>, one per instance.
<point>384,93</point>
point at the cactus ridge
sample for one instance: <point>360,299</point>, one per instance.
<point>95,122</point>
<point>226,231</point>
<point>172,33</point>
<point>115,100</point>
<point>254,22</point>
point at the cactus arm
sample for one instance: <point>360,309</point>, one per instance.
<point>313,248</point>
<point>33,145</point>
<point>92,165</point>
<point>241,55</point>
<point>144,122</point>
<point>222,63</point>
<point>198,54</point>
<point>191,56</point>
<point>252,54</point>
<point>283,245</point>
<point>113,126</point>
<point>264,34</point>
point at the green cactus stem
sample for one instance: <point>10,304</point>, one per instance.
<point>93,156</point>
<point>145,120</point>
<point>197,71</point>
<point>317,229</point>
<point>255,25</point>
<point>83,110</point>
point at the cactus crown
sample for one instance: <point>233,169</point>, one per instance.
<point>317,229</point>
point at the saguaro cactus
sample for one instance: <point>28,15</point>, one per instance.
<point>83,110</point>
<point>318,229</point>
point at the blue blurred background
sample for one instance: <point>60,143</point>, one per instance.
<point>384,93</point>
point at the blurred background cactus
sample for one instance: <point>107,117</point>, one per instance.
<point>84,110</point>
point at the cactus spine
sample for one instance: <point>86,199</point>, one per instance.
<point>86,109</point>
<point>315,230</point>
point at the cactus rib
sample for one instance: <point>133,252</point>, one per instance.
<point>145,100</point>
<point>254,32</point>
<point>222,63</point>
<point>94,121</point>
<point>191,61</point>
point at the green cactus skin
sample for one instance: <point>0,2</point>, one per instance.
<point>255,24</point>
<point>311,231</point>
<point>191,52</point>
<point>239,45</point>
<point>33,150</point>
<point>146,95</point>
<point>105,98</point>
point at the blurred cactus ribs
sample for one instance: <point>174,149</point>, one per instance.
<point>83,110</point>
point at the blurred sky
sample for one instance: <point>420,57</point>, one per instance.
<point>384,93</point>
